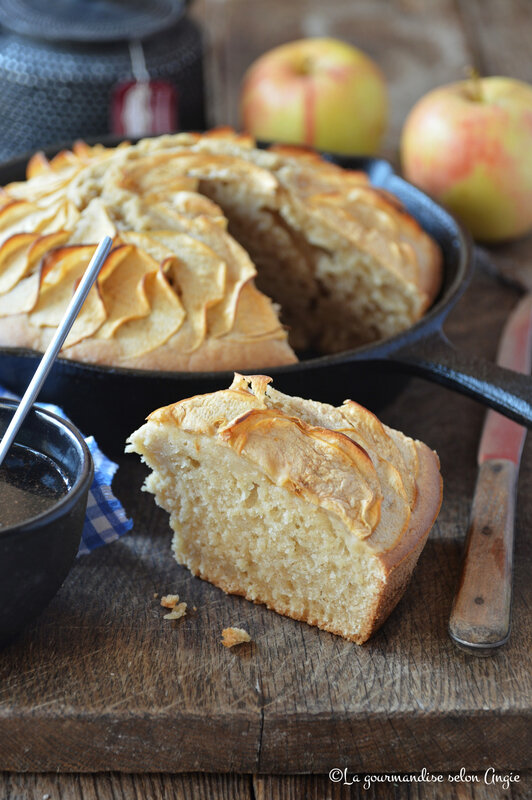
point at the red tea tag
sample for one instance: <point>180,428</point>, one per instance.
<point>143,108</point>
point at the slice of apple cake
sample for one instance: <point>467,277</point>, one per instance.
<point>318,512</point>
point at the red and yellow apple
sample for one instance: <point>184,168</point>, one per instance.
<point>469,145</point>
<point>319,92</point>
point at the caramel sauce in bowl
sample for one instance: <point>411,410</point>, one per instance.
<point>30,483</point>
<point>44,483</point>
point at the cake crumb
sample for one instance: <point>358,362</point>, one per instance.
<point>170,600</point>
<point>177,611</point>
<point>233,636</point>
<point>155,595</point>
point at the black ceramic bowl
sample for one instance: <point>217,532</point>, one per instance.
<point>36,555</point>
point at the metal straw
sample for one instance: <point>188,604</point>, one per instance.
<point>41,373</point>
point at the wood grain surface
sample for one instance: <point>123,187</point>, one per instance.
<point>119,786</point>
<point>102,683</point>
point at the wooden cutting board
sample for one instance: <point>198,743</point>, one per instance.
<point>102,682</point>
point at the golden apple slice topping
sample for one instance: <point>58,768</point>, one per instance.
<point>89,319</point>
<point>14,211</point>
<point>262,184</point>
<point>45,244</point>
<point>384,218</point>
<point>5,198</point>
<point>208,413</point>
<point>169,249</point>
<point>155,185</point>
<point>93,224</point>
<point>294,173</point>
<point>64,262</point>
<point>13,259</point>
<point>238,267</point>
<point>177,212</point>
<point>166,142</point>
<point>409,455</point>
<point>122,287</point>
<point>138,336</point>
<point>225,136</point>
<point>222,319</point>
<point>320,465</point>
<point>221,300</point>
<point>65,218</point>
<point>267,427</point>
<point>64,159</point>
<point>329,212</point>
<point>225,142</point>
<point>20,253</point>
<point>21,267</point>
<point>61,272</point>
<point>163,217</point>
<point>364,429</point>
<point>24,217</point>
<point>343,201</point>
<point>80,154</point>
<point>43,186</point>
<point>203,165</point>
<point>37,164</point>
<point>91,179</point>
<point>23,297</point>
<point>197,276</point>
<point>155,175</point>
<point>148,243</point>
<point>86,153</point>
<point>195,205</point>
<point>255,317</point>
<point>364,423</point>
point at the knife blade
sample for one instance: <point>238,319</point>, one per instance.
<point>480,618</point>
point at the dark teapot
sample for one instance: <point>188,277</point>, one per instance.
<point>66,67</point>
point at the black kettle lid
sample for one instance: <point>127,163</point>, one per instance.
<point>90,20</point>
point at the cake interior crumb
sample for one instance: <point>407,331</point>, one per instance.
<point>234,636</point>
<point>177,611</point>
<point>170,600</point>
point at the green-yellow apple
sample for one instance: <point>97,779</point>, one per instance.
<point>469,144</point>
<point>319,92</point>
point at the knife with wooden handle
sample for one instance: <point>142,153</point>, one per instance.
<point>481,613</point>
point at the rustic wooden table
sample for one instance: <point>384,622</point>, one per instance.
<point>101,698</point>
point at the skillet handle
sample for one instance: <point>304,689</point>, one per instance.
<point>437,359</point>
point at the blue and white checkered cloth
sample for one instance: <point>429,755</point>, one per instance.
<point>106,519</point>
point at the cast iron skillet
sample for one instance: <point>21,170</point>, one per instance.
<point>111,402</point>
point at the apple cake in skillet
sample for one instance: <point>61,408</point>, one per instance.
<point>225,256</point>
<point>319,512</point>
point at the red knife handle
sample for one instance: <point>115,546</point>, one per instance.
<point>480,617</point>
